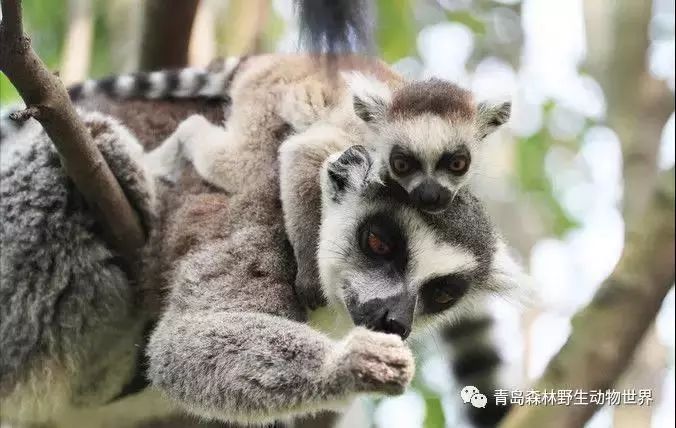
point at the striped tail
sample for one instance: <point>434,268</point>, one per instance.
<point>164,84</point>
<point>475,361</point>
<point>211,83</point>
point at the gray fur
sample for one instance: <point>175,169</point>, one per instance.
<point>69,324</point>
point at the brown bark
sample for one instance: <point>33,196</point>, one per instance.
<point>48,102</point>
<point>167,25</point>
<point>639,105</point>
<point>606,333</point>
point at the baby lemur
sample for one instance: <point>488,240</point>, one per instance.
<point>428,133</point>
<point>423,135</point>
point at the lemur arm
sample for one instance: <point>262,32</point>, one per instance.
<point>300,160</point>
<point>229,346</point>
<point>226,348</point>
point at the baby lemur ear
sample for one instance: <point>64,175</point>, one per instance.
<point>346,171</point>
<point>370,96</point>
<point>492,116</point>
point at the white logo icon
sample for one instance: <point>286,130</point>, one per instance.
<point>470,394</point>
<point>479,400</point>
<point>467,393</point>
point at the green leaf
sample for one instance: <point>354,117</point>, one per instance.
<point>468,19</point>
<point>396,34</point>
<point>434,412</point>
<point>8,94</point>
<point>533,179</point>
<point>434,415</point>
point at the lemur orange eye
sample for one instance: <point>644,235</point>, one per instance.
<point>377,245</point>
<point>459,164</point>
<point>442,297</point>
<point>401,165</point>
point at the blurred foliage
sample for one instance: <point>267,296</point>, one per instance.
<point>45,22</point>
<point>100,62</point>
<point>467,19</point>
<point>396,32</point>
<point>534,180</point>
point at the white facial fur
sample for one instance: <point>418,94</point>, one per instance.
<point>347,276</point>
<point>426,136</point>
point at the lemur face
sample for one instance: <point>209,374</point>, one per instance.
<point>428,132</point>
<point>393,268</point>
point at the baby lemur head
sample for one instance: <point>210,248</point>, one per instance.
<point>429,132</point>
<point>392,267</point>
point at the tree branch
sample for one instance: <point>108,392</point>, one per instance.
<point>639,105</point>
<point>606,333</point>
<point>48,102</point>
<point>166,33</point>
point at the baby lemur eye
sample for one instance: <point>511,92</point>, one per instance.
<point>402,161</point>
<point>459,164</point>
<point>401,165</point>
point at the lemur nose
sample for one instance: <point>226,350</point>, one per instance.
<point>430,195</point>
<point>391,324</point>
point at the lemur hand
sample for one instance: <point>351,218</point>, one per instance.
<point>376,362</point>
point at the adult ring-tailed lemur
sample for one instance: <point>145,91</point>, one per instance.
<point>231,343</point>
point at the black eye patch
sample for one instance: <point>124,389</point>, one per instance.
<point>440,293</point>
<point>403,162</point>
<point>382,241</point>
<point>456,162</point>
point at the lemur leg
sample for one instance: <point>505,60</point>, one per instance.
<point>207,146</point>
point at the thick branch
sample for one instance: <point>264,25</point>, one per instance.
<point>606,333</point>
<point>638,103</point>
<point>47,100</point>
<point>166,33</point>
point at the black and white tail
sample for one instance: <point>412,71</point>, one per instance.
<point>475,361</point>
<point>180,83</point>
<point>206,83</point>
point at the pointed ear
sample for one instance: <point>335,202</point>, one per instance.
<point>492,116</point>
<point>345,172</point>
<point>370,97</point>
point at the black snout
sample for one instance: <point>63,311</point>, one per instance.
<point>394,324</point>
<point>392,315</point>
<point>431,196</point>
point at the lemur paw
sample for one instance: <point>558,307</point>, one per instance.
<point>308,292</point>
<point>304,104</point>
<point>378,362</point>
<point>124,156</point>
